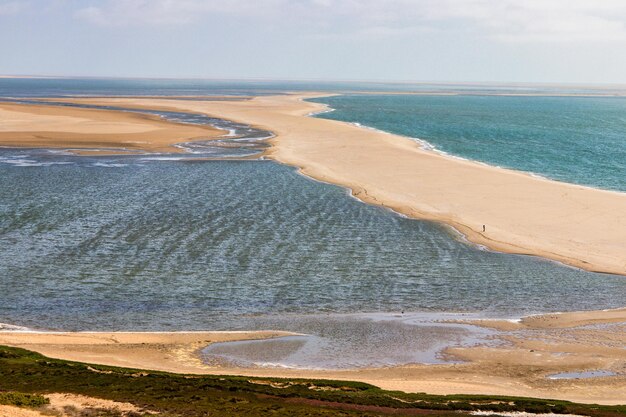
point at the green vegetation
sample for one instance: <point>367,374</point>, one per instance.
<point>191,395</point>
<point>21,399</point>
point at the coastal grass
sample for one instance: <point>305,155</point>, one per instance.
<point>20,399</point>
<point>26,376</point>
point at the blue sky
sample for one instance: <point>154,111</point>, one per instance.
<point>568,41</point>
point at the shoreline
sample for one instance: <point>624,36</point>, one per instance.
<point>575,225</point>
<point>426,146</point>
<point>520,366</point>
<point>422,143</point>
<point>467,232</point>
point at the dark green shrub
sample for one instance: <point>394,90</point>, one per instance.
<point>21,399</point>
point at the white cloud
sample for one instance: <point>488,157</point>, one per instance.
<point>168,12</point>
<point>373,33</point>
<point>12,7</point>
<point>501,20</point>
<point>538,20</point>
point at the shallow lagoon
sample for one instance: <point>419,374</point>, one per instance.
<point>156,245</point>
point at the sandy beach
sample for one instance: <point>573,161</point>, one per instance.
<point>165,351</point>
<point>92,131</point>
<point>522,214</point>
<point>576,225</point>
<point>549,345</point>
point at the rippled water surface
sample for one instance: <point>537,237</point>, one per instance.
<point>181,245</point>
<point>174,242</point>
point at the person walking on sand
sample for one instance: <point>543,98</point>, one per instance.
<point>483,227</point>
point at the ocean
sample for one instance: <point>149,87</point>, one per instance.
<point>580,140</point>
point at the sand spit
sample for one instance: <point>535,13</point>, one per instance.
<point>522,214</point>
<point>95,131</point>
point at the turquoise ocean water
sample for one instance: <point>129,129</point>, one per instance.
<point>573,139</point>
<point>171,243</point>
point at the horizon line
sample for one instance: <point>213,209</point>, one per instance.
<point>320,80</point>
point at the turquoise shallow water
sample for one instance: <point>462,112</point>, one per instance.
<point>574,139</point>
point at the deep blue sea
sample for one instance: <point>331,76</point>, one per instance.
<point>177,243</point>
<point>573,139</point>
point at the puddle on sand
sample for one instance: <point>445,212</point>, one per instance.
<point>582,375</point>
<point>348,341</point>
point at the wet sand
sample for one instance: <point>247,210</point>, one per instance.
<point>92,131</point>
<point>522,214</point>
<point>569,342</point>
<point>164,351</point>
<point>558,320</point>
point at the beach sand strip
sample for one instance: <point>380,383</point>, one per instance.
<point>94,130</point>
<point>520,366</point>
<point>522,214</point>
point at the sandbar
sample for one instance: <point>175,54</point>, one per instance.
<point>93,130</point>
<point>522,214</point>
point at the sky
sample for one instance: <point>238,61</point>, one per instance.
<point>551,41</point>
